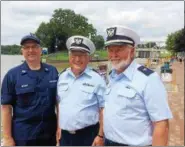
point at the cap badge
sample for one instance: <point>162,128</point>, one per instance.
<point>78,40</point>
<point>111,32</point>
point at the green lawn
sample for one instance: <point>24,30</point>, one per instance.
<point>102,54</point>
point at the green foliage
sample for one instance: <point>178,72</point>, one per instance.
<point>98,41</point>
<point>175,41</point>
<point>63,24</point>
<point>102,54</point>
<point>10,49</point>
<point>63,55</point>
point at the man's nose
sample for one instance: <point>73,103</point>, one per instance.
<point>77,58</point>
<point>114,54</point>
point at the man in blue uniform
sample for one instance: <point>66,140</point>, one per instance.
<point>80,92</point>
<point>28,99</point>
<point>136,107</point>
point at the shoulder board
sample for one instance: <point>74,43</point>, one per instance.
<point>62,71</point>
<point>145,70</point>
<point>95,70</point>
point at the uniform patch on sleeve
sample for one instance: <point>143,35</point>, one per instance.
<point>145,70</point>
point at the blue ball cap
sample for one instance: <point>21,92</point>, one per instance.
<point>30,37</point>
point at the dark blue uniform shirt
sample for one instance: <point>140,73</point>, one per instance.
<point>32,95</point>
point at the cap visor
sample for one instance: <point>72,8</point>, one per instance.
<point>116,43</point>
<point>29,39</point>
<point>80,49</point>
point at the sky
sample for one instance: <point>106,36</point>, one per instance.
<point>152,20</point>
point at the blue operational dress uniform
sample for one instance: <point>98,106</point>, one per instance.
<point>32,94</point>
<point>133,99</point>
<point>80,99</point>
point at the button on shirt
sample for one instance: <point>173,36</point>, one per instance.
<point>133,101</point>
<point>32,95</point>
<point>80,99</point>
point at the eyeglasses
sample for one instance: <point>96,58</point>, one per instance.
<point>33,47</point>
<point>81,55</point>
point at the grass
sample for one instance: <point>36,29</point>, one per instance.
<point>63,55</point>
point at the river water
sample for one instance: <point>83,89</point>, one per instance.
<point>9,61</point>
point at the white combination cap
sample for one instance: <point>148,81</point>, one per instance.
<point>80,43</point>
<point>119,35</point>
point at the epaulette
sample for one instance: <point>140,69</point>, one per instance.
<point>145,70</point>
<point>62,71</point>
<point>95,70</point>
<point>110,72</point>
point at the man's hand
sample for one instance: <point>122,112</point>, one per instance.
<point>98,141</point>
<point>8,141</point>
<point>58,136</point>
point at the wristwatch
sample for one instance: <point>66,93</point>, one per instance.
<point>100,136</point>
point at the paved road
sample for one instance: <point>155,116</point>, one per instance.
<point>176,102</point>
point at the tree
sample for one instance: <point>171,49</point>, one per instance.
<point>175,41</point>
<point>179,44</point>
<point>63,24</point>
<point>98,41</point>
<point>10,49</point>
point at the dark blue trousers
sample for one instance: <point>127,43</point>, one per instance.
<point>112,143</point>
<point>37,142</point>
<point>82,137</point>
<point>108,142</point>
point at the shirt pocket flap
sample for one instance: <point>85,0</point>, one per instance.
<point>20,90</point>
<point>52,83</point>
<point>127,93</point>
<point>87,89</point>
<point>63,87</point>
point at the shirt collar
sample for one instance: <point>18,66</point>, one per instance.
<point>25,68</point>
<point>85,72</point>
<point>128,72</point>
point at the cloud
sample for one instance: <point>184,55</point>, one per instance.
<point>153,20</point>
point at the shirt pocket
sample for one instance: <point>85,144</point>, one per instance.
<point>87,94</point>
<point>107,95</point>
<point>130,100</point>
<point>25,96</point>
<point>62,90</point>
<point>123,97</point>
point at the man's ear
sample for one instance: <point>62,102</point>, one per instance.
<point>133,52</point>
<point>41,50</point>
<point>90,57</point>
<point>21,50</point>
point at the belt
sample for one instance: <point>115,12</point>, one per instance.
<point>89,128</point>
